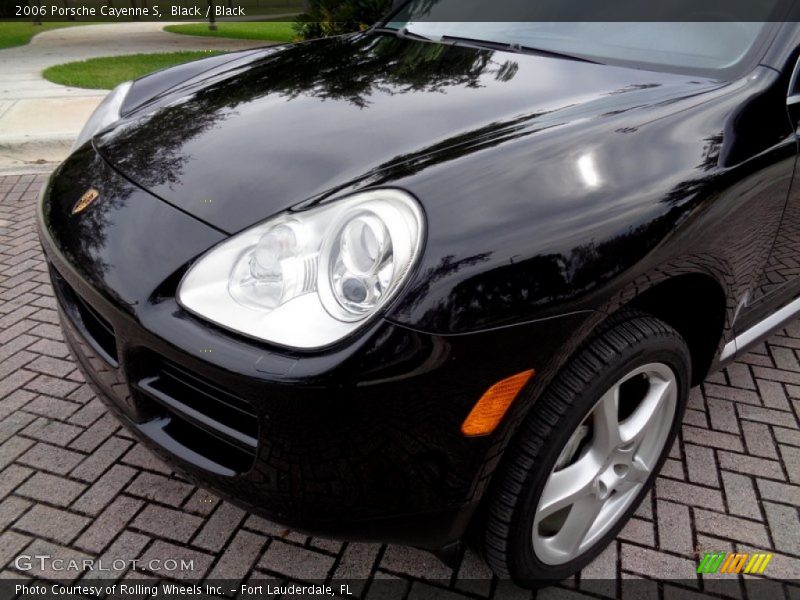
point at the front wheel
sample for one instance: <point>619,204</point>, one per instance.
<point>588,452</point>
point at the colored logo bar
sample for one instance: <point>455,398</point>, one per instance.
<point>734,562</point>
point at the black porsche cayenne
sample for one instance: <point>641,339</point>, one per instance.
<point>434,281</point>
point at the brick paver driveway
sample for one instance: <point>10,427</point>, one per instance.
<point>74,484</point>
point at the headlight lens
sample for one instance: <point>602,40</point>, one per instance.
<point>362,264</point>
<point>308,279</point>
<point>106,113</point>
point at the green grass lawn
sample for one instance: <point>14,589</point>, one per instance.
<point>274,31</point>
<point>108,72</point>
<point>19,33</point>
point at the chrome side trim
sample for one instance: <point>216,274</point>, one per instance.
<point>772,322</point>
<point>728,350</point>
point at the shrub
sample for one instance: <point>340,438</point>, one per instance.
<point>334,17</point>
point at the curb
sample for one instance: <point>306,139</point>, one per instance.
<point>35,150</point>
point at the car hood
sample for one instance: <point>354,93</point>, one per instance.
<point>279,127</point>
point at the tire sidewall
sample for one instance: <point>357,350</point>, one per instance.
<point>524,565</point>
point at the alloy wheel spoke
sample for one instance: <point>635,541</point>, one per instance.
<point>568,485</point>
<point>606,422</point>
<point>583,515</point>
<point>647,414</point>
<point>639,472</point>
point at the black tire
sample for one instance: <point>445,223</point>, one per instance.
<point>625,342</point>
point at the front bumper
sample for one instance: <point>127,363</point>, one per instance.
<point>361,441</point>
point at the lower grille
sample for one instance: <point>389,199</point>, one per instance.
<point>94,327</point>
<point>204,418</point>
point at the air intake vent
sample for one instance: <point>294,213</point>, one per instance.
<point>97,331</point>
<point>204,417</point>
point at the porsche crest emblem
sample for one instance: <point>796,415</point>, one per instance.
<point>84,201</point>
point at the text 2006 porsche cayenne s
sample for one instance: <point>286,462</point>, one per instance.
<point>434,281</point>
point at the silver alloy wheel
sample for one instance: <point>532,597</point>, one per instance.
<point>605,463</point>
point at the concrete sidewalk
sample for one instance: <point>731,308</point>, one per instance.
<point>39,120</point>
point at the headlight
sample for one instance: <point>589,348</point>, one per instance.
<point>307,279</point>
<point>105,114</point>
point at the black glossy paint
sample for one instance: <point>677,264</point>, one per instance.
<point>555,193</point>
<point>277,124</point>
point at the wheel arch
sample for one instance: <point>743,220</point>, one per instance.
<point>694,304</point>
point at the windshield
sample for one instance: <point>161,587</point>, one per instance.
<point>709,47</point>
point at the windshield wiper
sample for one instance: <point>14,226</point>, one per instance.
<point>506,47</point>
<point>453,39</point>
<point>403,33</point>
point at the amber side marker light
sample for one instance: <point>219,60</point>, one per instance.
<point>489,410</point>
